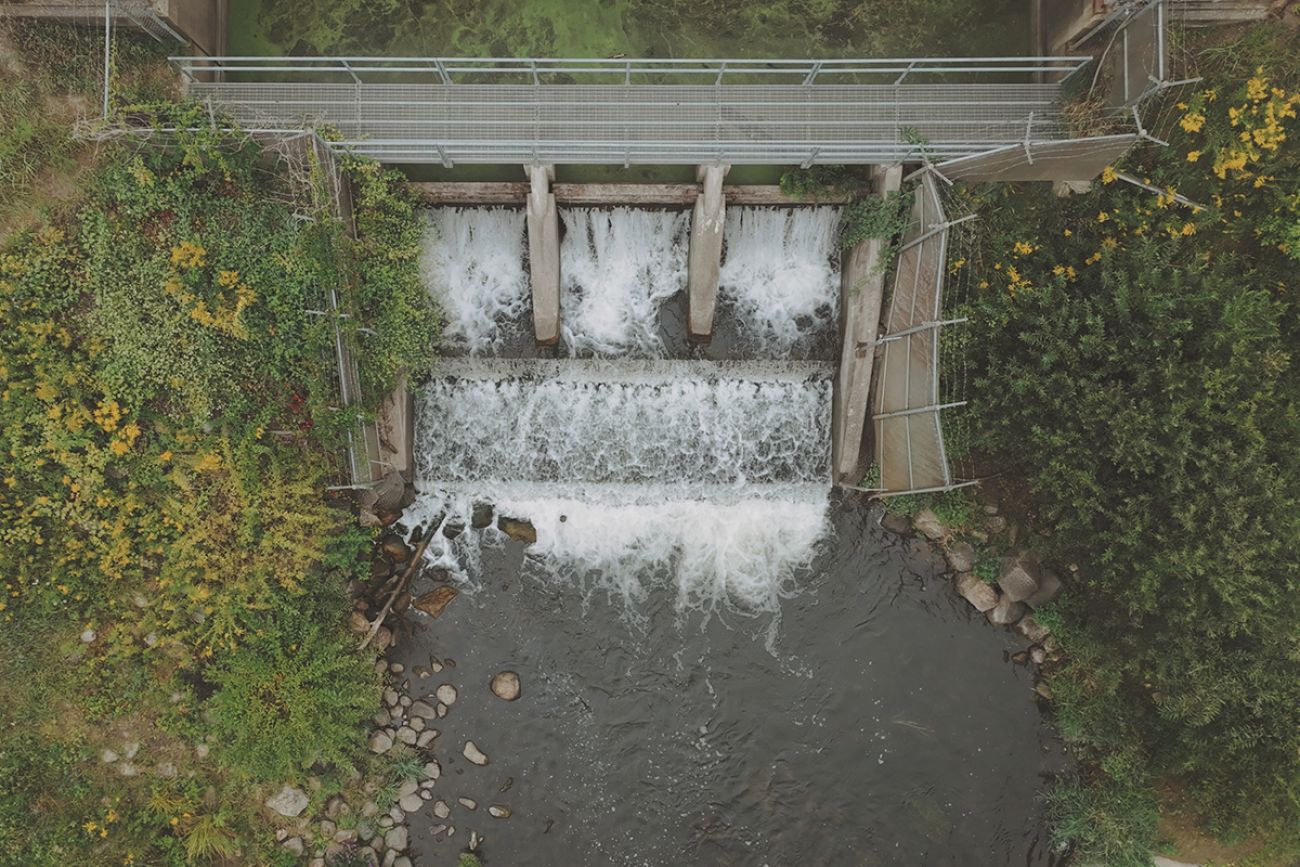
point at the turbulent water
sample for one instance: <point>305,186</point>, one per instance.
<point>617,268</point>
<point>780,275</point>
<point>473,263</point>
<point>710,474</point>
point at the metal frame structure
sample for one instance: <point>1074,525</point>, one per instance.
<point>907,409</point>
<point>567,110</point>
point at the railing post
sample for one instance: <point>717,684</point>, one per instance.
<point>812,73</point>
<point>356,79</point>
<point>442,71</point>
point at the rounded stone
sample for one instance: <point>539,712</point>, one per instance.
<point>446,694</point>
<point>474,754</point>
<point>505,685</point>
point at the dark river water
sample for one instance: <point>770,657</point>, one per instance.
<point>889,727</point>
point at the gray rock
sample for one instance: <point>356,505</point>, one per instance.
<point>979,594</point>
<point>1049,587</point>
<point>370,809</point>
<point>442,710</point>
<point>446,694</point>
<point>404,701</point>
<point>390,858</point>
<point>1030,628</point>
<point>1038,655</point>
<point>395,838</point>
<point>397,814</point>
<point>410,803</point>
<point>397,668</point>
<point>327,828</point>
<point>468,803</point>
<point>961,556</point>
<point>337,806</point>
<point>499,811</point>
<point>88,635</point>
<point>432,770</point>
<point>505,685</point>
<point>426,738</point>
<point>1019,577</point>
<point>288,801</point>
<point>417,723</point>
<point>423,709</point>
<point>127,769</point>
<point>166,770</point>
<point>380,742</point>
<point>294,845</point>
<point>390,697</point>
<point>407,735</point>
<point>899,525</point>
<point>201,751</point>
<point>108,757</point>
<point>381,718</point>
<point>131,749</point>
<point>385,822</point>
<point>402,861</point>
<point>408,787</point>
<point>995,524</point>
<point>927,523</point>
<point>474,754</point>
<point>345,835</point>
<point>1006,612</point>
<point>441,810</point>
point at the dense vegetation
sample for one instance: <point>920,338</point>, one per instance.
<point>173,644</point>
<point>1135,365</point>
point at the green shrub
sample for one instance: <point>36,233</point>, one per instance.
<point>1111,823</point>
<point>295,695</point>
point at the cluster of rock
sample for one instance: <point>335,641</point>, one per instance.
<point>378,832</point>
<point>126,761</point>
<point>1023,585</point>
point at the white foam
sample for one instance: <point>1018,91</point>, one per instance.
<point>617,267</point>
<point>780,274</point>
<point>742,552</point>
<point>473,262</point>
<point>650,422</point>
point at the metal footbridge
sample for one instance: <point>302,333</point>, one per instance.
<point>625,112</point>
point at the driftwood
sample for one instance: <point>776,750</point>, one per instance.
<point>411,569</point>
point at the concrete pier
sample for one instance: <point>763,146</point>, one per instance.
<point>705,259</point>
<point>544,253</point>
<point>862,293</point>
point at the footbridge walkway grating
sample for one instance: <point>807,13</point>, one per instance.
<point>451,111</point>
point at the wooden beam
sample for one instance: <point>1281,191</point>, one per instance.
<point>463,193</point>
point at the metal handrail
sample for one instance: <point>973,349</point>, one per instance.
<point>806,71</point>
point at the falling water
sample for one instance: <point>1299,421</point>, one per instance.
<point>780,275</point>
<point>710,474</point>
<point>617,267</point>
<point>473,263</point>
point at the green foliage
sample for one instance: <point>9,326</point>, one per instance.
<point>821,182</point>
<point>469,859</point>
<point>391,298</point>
<point>293,696</point>
<point>1133,361</point>
<point>1110,822</point>
<point>881,218</point>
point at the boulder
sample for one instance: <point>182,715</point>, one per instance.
<point>927,523</point>
<point>1019,576</point>
<point>441,810</point>
<point>1049,587</point>
<point>87,635</point>
<point>410,803</point>
<point>1030,628</point>
<point>481,516</point>
<point>1038,655</point>
<point>499,811</point>
<point>435,601</point>
<point>474,754</point>
<point>383,639</point>
<point>407,735</point>
<point>380,742</point>
<point>288,802</point>
<point>294,845</point>
<point>337,806</point>
<point>358,624</point>
<point>505,685</point>
<point>396,549</point>
<point>395,838</point>
<point>423,709</point>
<point>468,803</point>
<point>446,694</point>
<point>1006,612</point>
<point>432,771</point>
<point>979,594</point>
<point>961,556</point>
<point>522,531</point>
<point>899,525</point>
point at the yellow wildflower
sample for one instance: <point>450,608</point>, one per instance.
<point>1023,248</point>
<point>1108,175</point>
<point>1192,121</point>
<point>227,279</point>
<point>1102,216</point>
<point>1193,156</point>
